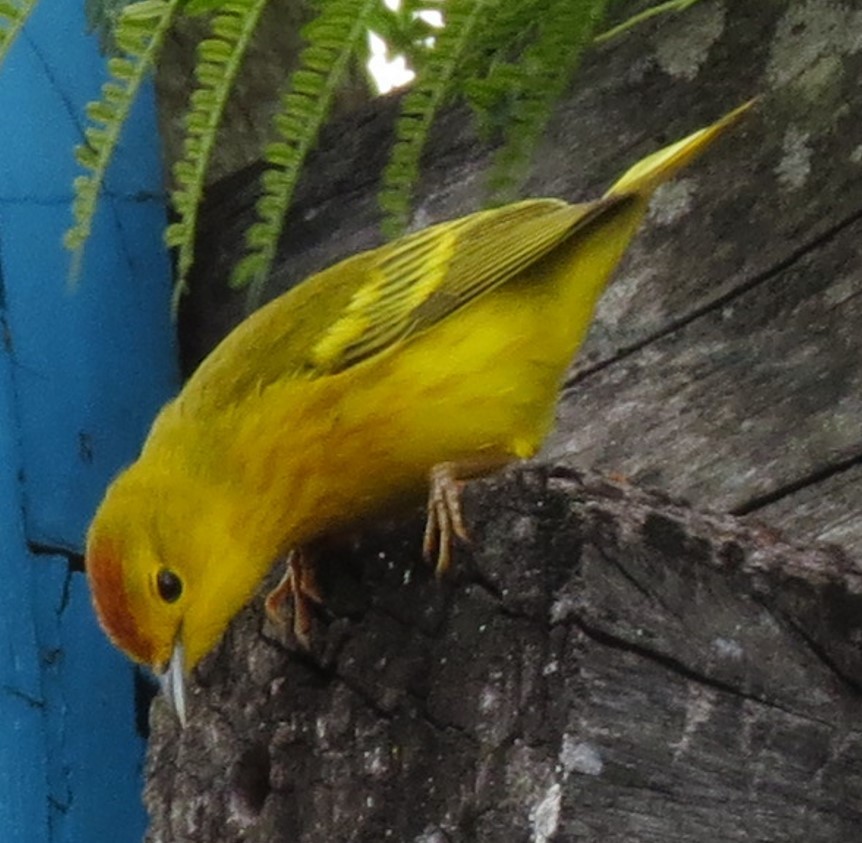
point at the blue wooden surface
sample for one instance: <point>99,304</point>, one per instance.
<point>95,769</point>
<point>23,750</point>
<point>82,374</point>
<point>90,366</point>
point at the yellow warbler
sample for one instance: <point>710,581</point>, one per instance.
<point>418,364</point>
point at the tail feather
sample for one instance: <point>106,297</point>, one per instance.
<point>645,176</point>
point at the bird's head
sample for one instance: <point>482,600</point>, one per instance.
<point>163,575</point>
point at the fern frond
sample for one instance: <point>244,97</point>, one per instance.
<point>13,16</point>
<point>404,31</point>
<point>333,38</point>
<point>537,83</point>
<point>489,79</point>
<point>139,35</point>
<point>640,17</point>
<point>219,59</point>
<point>462,17</point>
<point>505,34</point>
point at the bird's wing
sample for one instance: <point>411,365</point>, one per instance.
<point>373,300</point>
<point>421,279</point>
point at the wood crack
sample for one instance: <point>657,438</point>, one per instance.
<point>718,303</point>
<point>682,670</point>
<point>812,479</point>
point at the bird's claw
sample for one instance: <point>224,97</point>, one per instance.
<point>300,583</point>
<point>444,518</point>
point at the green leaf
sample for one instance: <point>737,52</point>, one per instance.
<point>545,70</point>
<point>421,104</point>
<point>13,16</point>
<point>333,39</point>
<point>219,60</point>
<point>109,116</point>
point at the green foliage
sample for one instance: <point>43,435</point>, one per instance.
<point>139,35</point>
<point>404,30</point>
<point>102,18</point>
<point>535,84</point>
<point>219,59</point>
<point>13,16</point>
<point>334,38</point>
<point>422,102</point>
<point>509,60</point>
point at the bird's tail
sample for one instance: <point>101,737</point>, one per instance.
<point>651,171</point>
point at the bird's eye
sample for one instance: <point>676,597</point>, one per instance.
<point>170,586</point>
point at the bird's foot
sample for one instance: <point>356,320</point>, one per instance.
<point>299,582</point>
<point>444,517</point>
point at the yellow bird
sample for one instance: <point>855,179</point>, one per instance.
<point>410,367</point>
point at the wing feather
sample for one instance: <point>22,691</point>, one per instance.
<point>425,277</point>
<point>374,300</point>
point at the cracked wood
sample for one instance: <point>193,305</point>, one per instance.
<point>647,668</point>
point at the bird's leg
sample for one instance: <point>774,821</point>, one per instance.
<point>300,582</point>
<point>445,519</point>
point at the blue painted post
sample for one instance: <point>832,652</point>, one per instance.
<point>23,755</point>
<point>82,373</point>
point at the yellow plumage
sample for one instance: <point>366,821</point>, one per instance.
<point>336,401</point>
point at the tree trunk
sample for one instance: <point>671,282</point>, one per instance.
<point>606,664</point>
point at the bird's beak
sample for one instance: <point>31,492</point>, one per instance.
<point>173,682</point>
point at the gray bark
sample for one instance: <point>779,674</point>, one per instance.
<point>606,664</point>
